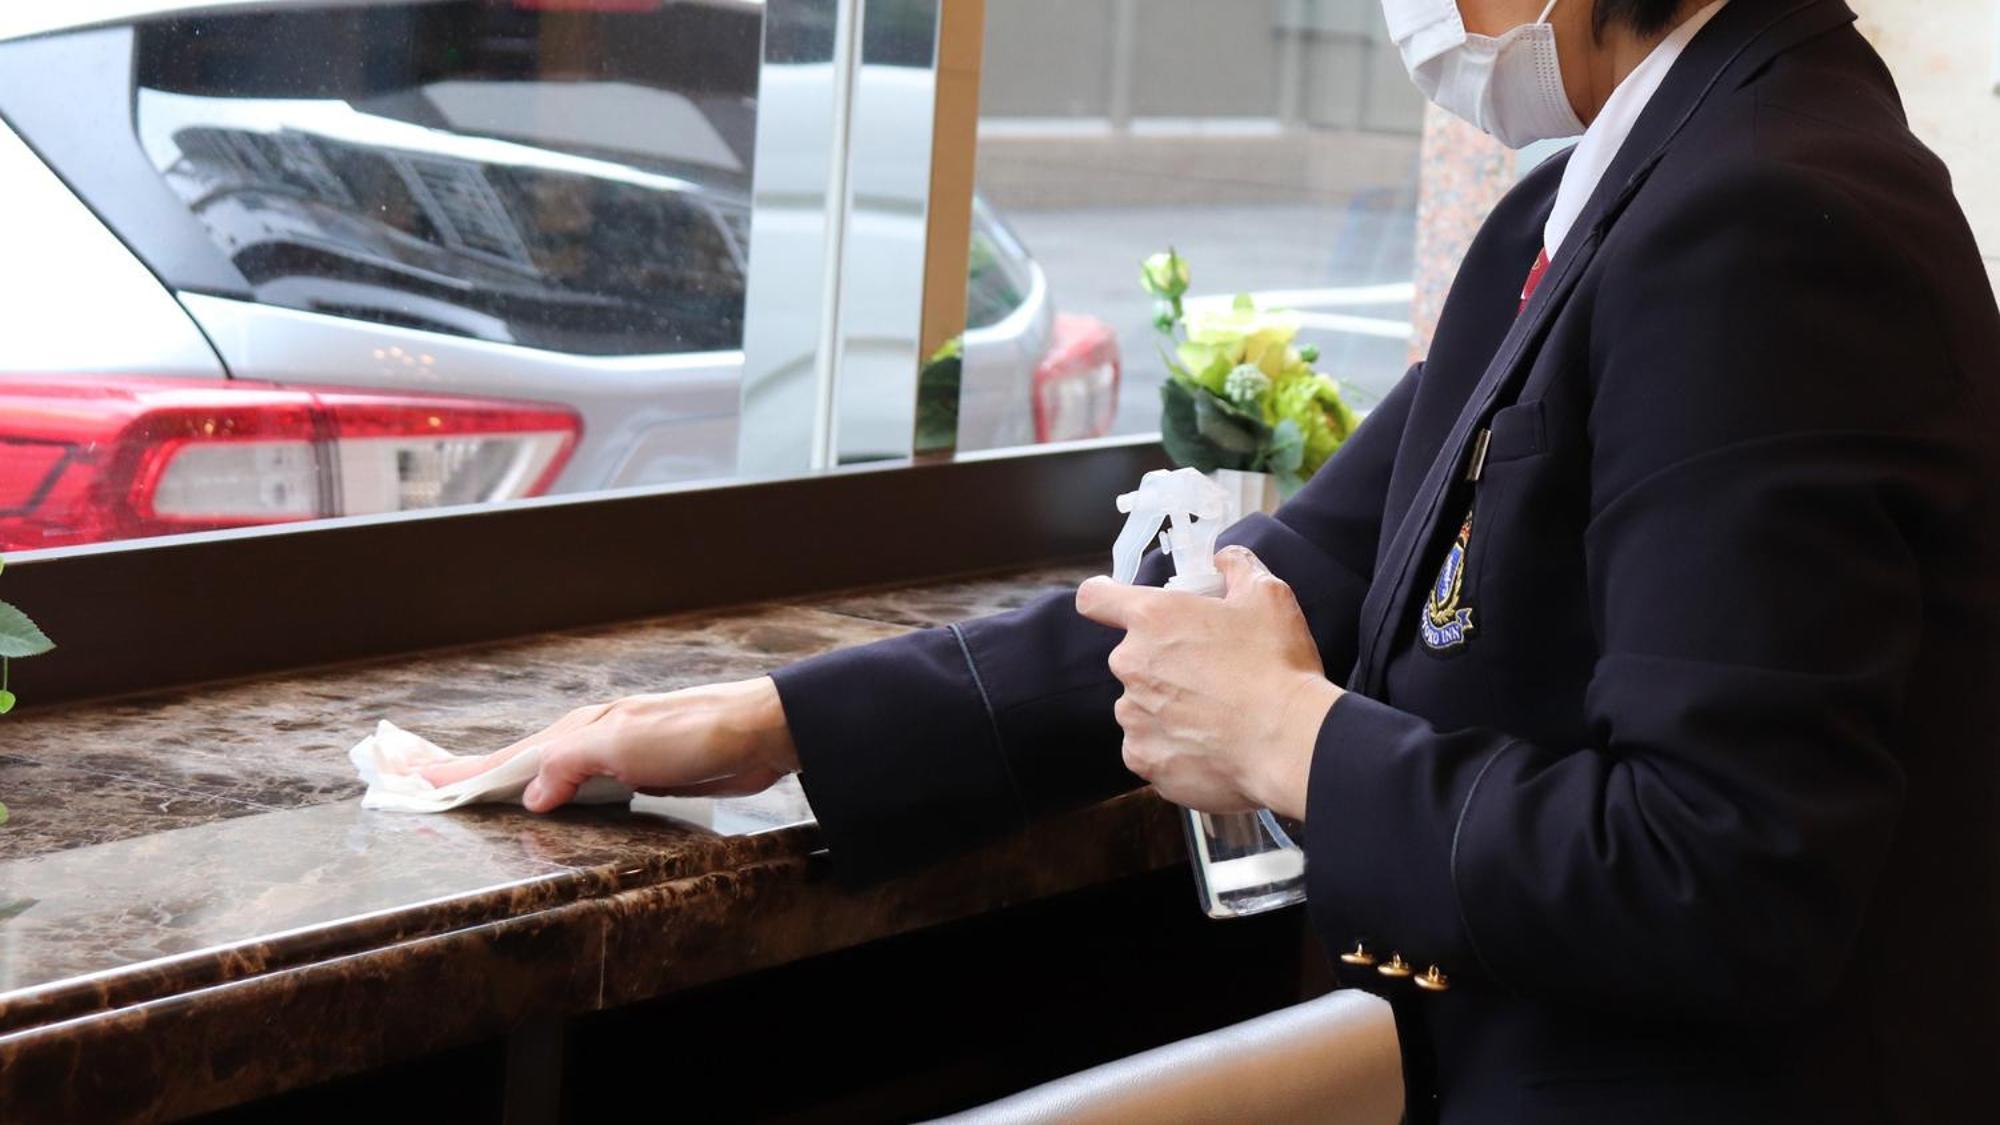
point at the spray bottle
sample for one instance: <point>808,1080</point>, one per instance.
<point>1244,863</point>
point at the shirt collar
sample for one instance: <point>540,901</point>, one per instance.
<point>1606,135</point>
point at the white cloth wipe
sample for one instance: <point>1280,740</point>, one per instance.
<point>388,761</point>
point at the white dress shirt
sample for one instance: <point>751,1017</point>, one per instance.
<point>1606,135</point>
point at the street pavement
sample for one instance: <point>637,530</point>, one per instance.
<point>1347,267</point>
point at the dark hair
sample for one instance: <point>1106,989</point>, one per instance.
<point>1645,17</point>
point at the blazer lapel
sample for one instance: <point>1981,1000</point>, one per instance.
<point>1737,43</point>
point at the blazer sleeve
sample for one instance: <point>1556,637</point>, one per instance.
<point>929,743</point>
<point>1760,495</point>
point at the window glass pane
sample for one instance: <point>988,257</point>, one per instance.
<point>562,180</point>
<point>356,257</point>
<point>1288,173</point>
<point>886,236</point>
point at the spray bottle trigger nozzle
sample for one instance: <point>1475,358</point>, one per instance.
<point>1186,510</point>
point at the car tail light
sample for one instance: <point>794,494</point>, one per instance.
<point>1076,384</point>
<point>85,459</point>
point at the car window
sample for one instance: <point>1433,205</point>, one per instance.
<point>572,180</point>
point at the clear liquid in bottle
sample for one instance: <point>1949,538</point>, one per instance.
<point>1245,863</point>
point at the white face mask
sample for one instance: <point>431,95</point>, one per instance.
<point>1511,86</point>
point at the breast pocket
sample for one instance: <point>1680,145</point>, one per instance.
<point>1515,433</point>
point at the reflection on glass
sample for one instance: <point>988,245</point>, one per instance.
<point>1031,374</point>
<point>545,179</point>
<point>787,360</point>
<point>439,253</point>
<point>1289,173</point>
<point>889,161</point>
<point>832,368</point>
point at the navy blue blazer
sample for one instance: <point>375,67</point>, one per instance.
<point>1668,735</point>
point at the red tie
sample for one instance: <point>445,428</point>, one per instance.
<point>1535,277</point>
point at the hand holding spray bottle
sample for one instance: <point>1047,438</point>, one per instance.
<point>1244,863</point>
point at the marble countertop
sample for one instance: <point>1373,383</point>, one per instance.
<point>195,910</point>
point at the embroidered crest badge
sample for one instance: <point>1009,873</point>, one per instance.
<point>1446,624</point>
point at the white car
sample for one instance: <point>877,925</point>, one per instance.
<point>276,261</point>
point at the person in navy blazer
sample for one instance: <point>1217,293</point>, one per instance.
<point>1631,667</point>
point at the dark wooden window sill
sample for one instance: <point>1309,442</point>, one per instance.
<point>191,888</point>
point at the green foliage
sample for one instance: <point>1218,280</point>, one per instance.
<point>25,635</point>
<point>1204,432</point>
<point>937,397</point>
<point>1241,394</point>
<point>1285,457</point>
<point>1314,405</point>
<point>19,637</point>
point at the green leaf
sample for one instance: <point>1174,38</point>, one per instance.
<point>1178,432</point>
<point>937,397</point>
<point>3,814</point>
<point>19,636</point>
<point>1188,441</point>
<point>1286,453</point>
<point>6,702</point>
<point>1231,429</point>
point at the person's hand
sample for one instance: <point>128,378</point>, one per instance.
<point>723,740</point>
<point>1223,697</point>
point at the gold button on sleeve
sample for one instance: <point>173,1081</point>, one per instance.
<point>1395,968</point>
<point>1434,980</point>
<point>1360,958</point>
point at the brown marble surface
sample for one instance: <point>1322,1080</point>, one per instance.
<point>190,888</point>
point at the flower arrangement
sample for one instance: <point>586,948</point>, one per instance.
<point>19,637</point>
<point>1240,393</point>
